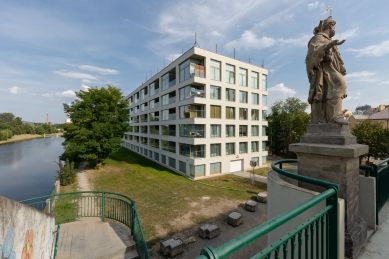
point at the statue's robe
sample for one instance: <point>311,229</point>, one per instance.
<point>325,73</point>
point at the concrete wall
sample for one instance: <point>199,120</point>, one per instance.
<point>367,200</point>
<point>284,195</point>
<point>24,231</point>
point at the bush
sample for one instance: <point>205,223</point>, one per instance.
<point>67,173</point>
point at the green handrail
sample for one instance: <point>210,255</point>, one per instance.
<point>330,212</point>
<point>56,241</point>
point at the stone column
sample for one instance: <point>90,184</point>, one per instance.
<point>329,152</point>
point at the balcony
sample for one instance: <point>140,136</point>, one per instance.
<point>197,93</point>
<point>199,71</point>
<point>155,118</point>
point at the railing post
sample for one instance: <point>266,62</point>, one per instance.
<point>133,210</point>
<point>56,242</point>
<point>332,225</point>
<point>51,204</point>
<point>102,206</point>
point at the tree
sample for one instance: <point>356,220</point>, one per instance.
<point>375,136</point>
<point>66,174</point>
<point>99,119</point>
<point>6,117</point>
<point>287,122</point>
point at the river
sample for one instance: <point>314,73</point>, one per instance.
<point>27,168</point>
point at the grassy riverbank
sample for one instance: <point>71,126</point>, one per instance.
<point>168,202</point>
<point>22,137</point>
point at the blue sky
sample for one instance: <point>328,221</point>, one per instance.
<point>51,49</point>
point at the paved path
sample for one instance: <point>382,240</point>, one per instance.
<point>258,178</point>
<point>83,183</point>
<point>377,247</point>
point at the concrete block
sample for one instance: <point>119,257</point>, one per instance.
<point>262,197</point>
<point>251,206</point>
<point>367,200</point>
<point>172,246</point>
<point>235,219</point>
<point>208,231</point>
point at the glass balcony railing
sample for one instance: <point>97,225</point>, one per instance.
<point>197,154</point>
<point>197,93</point>
<point>198,114</point>
<point>193,134</point>
<point>172,116</point>
<point>169,149</point>
<point>156,118</point>
<point>143,120</point>
<point>172,100</point>
<point>172,83</point>
<point>153,131</point>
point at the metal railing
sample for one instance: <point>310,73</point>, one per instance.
<point>72,205</point>
<point>315,238</point>
<point>381,174</point>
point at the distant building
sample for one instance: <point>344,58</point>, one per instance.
<point>362,109</point>
<point>380,117</point>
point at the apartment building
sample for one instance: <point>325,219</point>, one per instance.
<point>203,114</point>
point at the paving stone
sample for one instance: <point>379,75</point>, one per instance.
<point>251,206</point>
<point>208,231</point>
<point>235,219</point>
<point>172,246</point>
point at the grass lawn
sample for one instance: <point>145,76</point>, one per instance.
<point>168,202</point>
<point>66,207</point>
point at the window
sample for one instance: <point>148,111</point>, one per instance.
<point>154,142</point>
<point>254,130</point>
<point>192,111</point>
<point>215,92</point>
<point>215,112</point>
<point>264,160</point>
<point>242,147</point>
<point>230,95</point>
<point>264,100</point>
<point>255,115</point>
<point>192,91</point>
<point>150,154</point>
<point>145,152</point>
<point>184,149</point>
<point>197,170</point>
<point>185,71</point>
<point>254,98</point>
<point>172,162</point>
<point>264,131</point>
<point>154,116</point>
<point>143,129</point>
<point>215,131</point>
<point>215,70</point>
<point>168,80</point>
<point>169,98</point>
<point>230,74</point>
<point>156,156</point>
<point>215,149</point>
<point>230,113</point>
<point>154,129</point>
<point>169,146</point>
<point>182,166</point>
<point>215,168</point>
<point>264,115</point>
<point>143,93</point>
<point>169,114</point>
<point>169,130</point>
<point>163,159</point>
<point>242,97</point>
<point>242,77</point>
<point>242,130</point>
<point>192,130</point>
<point>264,82</point>
<point>184,93</point>
<point>230,130</point>
<point>254,146</point>
<point>243,113</point>
<point>254,80</point>
<point>154,88</point>
<point>230,148</point>
<point>264,145</point>
<point>188,69</point>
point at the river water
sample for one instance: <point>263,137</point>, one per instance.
<point>27,168</point>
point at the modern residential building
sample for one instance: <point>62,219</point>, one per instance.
<point>203,114</point>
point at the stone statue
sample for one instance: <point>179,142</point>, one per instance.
<point>325,73</point>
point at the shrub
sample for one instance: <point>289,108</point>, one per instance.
<point>67,173</point>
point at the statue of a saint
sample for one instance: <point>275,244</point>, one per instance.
<point>325,73</point>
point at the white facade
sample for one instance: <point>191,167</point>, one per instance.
<point>201,115</point>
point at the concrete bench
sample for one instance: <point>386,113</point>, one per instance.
<point>235,219</point>
<point>172,246</point>
<point>251,206</point>
<point>262,197</point>
<point>208,231</point>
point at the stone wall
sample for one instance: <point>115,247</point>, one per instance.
<point>24,231</point>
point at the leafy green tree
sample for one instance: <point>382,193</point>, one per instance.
<point>375,136</point>
<point>99,117</point>
<point>66,174</point>
<point>39,130</point>
<point>6,117</point>
<point>287,122</point>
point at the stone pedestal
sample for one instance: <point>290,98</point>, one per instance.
<point>329,152</point>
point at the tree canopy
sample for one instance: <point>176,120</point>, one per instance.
<point>287,122</point>
<point>375,136</point>
<point>99,117</point>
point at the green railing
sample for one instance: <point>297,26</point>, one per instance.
<point>315,238</point>
<point>72,205</point>
<point>381,174</point>
<point>56,241</point>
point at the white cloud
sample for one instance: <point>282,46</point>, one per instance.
<point>279,92</point>
<point>85,87</point>
<point>289,17</point>
<point>313,5</point>
<point>85,81</point>
<point>103,71</point>
<point>361,76</point>
<point>373,50</point>
<point>172,57</point>
<point>302,41</point>
<point>384,83</point>
<point>69,74</point>
<point>346,34</point>
<point>16,90</point>
<point>66,93</point>
<point>356,96</point>
<point>248,40</point>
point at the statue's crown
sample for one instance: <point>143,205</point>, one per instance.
<point>328,20</point>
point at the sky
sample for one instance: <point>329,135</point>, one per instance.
<point>51,49</point>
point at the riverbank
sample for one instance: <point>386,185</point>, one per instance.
<point>17,138</point>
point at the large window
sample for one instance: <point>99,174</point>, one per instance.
<point>215,92</point>
<point>242,130</point>
<point>168,80</point>
<point>154,129</point>
<point>182,166</point>
<point>264,82</point>
<point>243,113</point>
<point>264,131</point>
<point>242,147</point>
<point>192,130</point>
<point>242,77</point>
<point>242,97</point>
<point>215,149</point>
<point>169,146</point>
<point>187,69</point>
<point>172,162</point>
<point>264,100</point>
<point>169,98</point>
<point>169,114</point>
<point>254,130</point>
<point>255,146</point>
<point>230,148</point>
<point>215,112</point>
<point>193,151</point>
<point>215,131</point>
<point>230,113</point>
<point>230,95</point>
<point>169,130</point>
<point>264,145</point>
<point>154,142</point>
<point>154,116</point>
<point>163,159</point>
<point>154,88</point>
<point>192,111</point>
<point>254,98</point>
<point>215,168</point>
<point>264,115</point>
<point>192,91</point>
<point>197,170</point>
<point>230,74</point>
<point>215,70</point>
<point>254,80</point>
<point>230,130</point>
<point>255,115</point>
<point>156,156</point>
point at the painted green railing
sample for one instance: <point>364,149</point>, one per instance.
<point>315,238</point>
<point>56,241</point>
<point>72,205</point>
<point>381,174</point>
